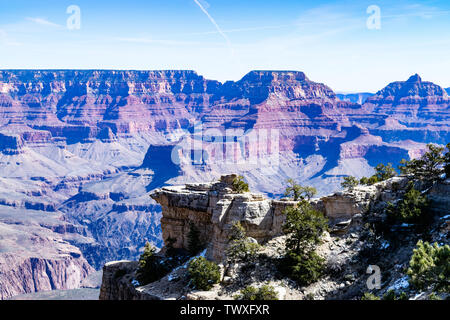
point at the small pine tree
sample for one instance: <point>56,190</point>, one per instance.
<point>194,242</point>
<point>240,247</point>
<point>237,231</point>
<point>150,269</point>
<point>239,185</point>
<point>430,267</point>
<point>349,183</point>
<point>429,167</point>
<point>303,267</point>
<point>304,227</point>
<point>447,162</point>
<point>413,208</point>
<point>299,192</point>
<point>203,273</point>
<point>384,172</point>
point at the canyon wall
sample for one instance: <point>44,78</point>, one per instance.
<point>88,146</point>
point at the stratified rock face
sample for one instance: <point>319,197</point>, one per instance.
<point>439,196</point>
<point>212,209</point>
<point>413,101</point>
<point>34,255</point>
<point>89,145</point>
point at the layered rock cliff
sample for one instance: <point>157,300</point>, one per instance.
<point>88,145</point>
<point>212,208</point>
<point>36,254</point>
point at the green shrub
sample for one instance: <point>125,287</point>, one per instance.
<point>239,185</point>
<point>370,296</point>
<point>369,181</point>
<point>429,167</point>
<point>203,273</point>
<point>412,208</point>
<point>194,243</point>
<point>384,172</point>
<point>390,295</point>
<point>434,296</point>
<point>240,247</point>
<point>151,266</point>
<point>447,162</point>
<point>299,192</point>
<point>265,292</point>
<point>349,183</point>
<point>304,268</point>
<point>237,231</point>
<point>304,227</point>
<point>430,267</point>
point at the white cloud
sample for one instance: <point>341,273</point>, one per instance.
<point>44,22</point>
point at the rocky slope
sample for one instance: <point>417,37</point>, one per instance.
<point>89,145</point>
<point>36,254</point>
<point>349,248</point>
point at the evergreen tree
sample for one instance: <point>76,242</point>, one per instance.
<point>412,208</point>
<point>239,185</point>
<point>429,167</point>
<point>430,267</point>
<point>447,162</point>
<point>150,266</point>
<point>304,227</point>
<point>265,292</point>
<point>299,192</point>
<point>349,183</point>
<point>203,273</point>
<point>240,247</point>
<point>194,242</point>
<point>384,172</point>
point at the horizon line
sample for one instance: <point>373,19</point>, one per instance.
<point>209,79</point>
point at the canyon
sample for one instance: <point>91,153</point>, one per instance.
<point>81,150</point>
<point>213,208</point>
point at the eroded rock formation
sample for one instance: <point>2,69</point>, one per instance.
<point>212,208</point>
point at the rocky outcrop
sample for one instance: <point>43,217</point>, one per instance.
<point>212,208</point>
<point>439,197</point>
<point>117,281</point>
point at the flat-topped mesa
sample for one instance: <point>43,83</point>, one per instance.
<point>213,208</point>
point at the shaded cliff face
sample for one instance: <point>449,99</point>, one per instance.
<point>213,208</point>
<point>89,145</point>
<point>36,254</point>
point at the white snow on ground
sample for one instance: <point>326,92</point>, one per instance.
<point>401,283</point>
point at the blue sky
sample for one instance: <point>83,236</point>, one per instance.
<point>223,40</point>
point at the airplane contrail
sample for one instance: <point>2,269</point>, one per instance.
<point>215,24</point>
